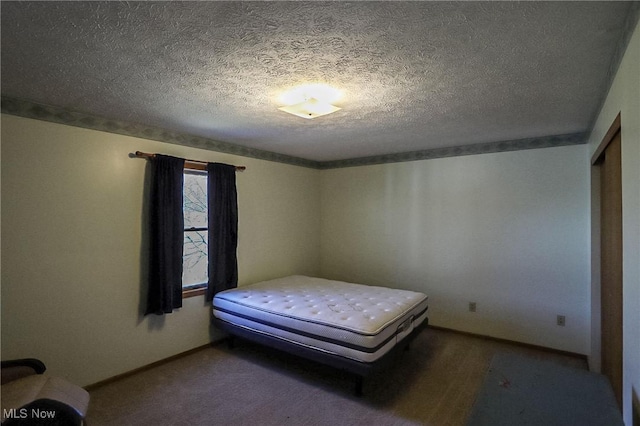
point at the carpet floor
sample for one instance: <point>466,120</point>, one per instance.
<point>522,391</point>
<point>433,383</point>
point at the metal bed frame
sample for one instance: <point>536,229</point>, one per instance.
<point>357,368</point>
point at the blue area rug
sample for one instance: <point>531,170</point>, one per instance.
<point>524,391</point>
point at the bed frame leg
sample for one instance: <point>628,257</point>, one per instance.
<point>359,385</point>
<point>231,342</point>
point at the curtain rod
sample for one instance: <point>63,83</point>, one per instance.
<point>198,164</point>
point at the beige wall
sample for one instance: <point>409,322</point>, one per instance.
<point>72,214</point>
<point>509,231</point>
<point>624,98</point>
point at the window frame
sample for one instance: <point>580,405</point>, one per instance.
<point>202,288</point>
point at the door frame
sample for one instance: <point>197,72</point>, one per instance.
<point>599,333</point>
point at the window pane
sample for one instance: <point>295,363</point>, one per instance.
<point>195,200</point>
<point>194,258</point>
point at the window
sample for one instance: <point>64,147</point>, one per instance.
<point>195,274</point>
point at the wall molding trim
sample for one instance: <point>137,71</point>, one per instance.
<point>28,109</point>
<point>109,380</point>
<point>456,151</point>
<point>576,355</point>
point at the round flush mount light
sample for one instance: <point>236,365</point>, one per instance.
<point>310,100</point>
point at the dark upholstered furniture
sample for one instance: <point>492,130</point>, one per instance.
<point>30,397</point>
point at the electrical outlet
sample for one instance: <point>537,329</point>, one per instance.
<point>561,320</point>
<point>472,306</point>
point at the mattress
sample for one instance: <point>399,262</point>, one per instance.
<point>356,321</point>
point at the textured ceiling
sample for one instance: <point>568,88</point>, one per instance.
<point>415,75</point>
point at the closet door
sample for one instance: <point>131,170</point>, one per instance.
<point>611,263</point>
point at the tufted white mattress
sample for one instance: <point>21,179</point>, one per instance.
<point>356,321</point>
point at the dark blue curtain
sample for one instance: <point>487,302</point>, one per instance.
<point>166,232</point>
<point>223,228</point>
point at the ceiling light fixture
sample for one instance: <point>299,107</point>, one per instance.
<point>310,100</point>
